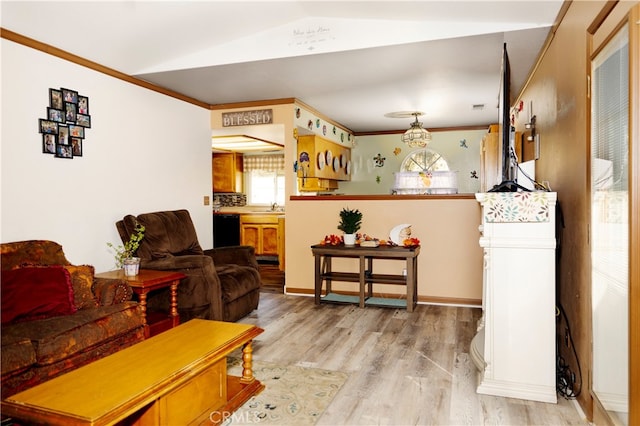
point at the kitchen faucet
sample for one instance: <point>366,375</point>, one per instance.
<point>274,207</point>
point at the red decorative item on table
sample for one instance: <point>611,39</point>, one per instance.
<point>332,240</point>
<point>411,242</point>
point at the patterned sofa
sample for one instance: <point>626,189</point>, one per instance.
<point>56,316</point>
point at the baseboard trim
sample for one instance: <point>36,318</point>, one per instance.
<point>423,300</point>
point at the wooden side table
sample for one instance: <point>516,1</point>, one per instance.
<point>145,282</point>
<point>365,276</point>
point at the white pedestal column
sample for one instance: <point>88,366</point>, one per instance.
<point>515,346</point>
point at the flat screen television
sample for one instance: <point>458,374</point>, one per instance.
<point>508,183</point>
<point>505,103</point>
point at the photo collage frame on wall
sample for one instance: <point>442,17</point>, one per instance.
<point>64,128</point>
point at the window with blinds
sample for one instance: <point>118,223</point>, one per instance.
<point>265,163</point>
<point>264,179</point>
<point>610,221</point>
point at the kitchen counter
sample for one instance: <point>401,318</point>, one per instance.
<point>381,197</point>
<point>249,210</point>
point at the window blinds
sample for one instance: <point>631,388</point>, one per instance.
<point>268,163</point>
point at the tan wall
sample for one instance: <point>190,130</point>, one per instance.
<point>450,260</point>
<point>558,92</point>
<point>283,117</point>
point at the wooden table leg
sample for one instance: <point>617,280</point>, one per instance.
<point>326,269</point>
<point>142,296</point>
<point>370,272</point>
<point>411,284</point>
<point>174,303</point>
<point>362,281</point>
<point>247,363</point>
<point>318,279</point>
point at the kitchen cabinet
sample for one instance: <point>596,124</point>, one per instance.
<point>281,243</point>
<point>226,170</point>
<point>261,232</point>
<point>322,163</point>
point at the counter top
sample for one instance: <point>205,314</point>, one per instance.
<point>249,210</point>
<point>378,197</point>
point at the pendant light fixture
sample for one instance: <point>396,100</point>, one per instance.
<point>416,136</point>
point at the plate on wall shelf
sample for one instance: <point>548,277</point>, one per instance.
<point>329,157</point>
<point>320,160</point>
<point>336,164</point>
<point>348,168</point>
<point>342,162</point>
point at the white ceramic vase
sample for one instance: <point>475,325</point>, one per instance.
<point>131,266</point>
<point>349,239</point>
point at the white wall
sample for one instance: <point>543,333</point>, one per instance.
<point>144,152</point>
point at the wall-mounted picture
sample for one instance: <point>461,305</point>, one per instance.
<point>83,120</point>
<point>71,110</point>
<point>49,143</point>
<point>63,129</point>
<point>55,99</point>
<point>55,114</point>
<point>48,126</point>
<point>83,105</point>
<point>63,135</point>
<point>70,96</point>
<point>76,147</point>
<point>64,151</point>
<point>76,131</point>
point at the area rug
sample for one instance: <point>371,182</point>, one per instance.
<point>293,395</point>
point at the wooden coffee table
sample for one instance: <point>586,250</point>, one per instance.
<point>178,377</point>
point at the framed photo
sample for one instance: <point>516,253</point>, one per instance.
<point>63,135</point>
<point>63,129</point>
<point>76,147</point>
<point>83,120</point>
<point>71,110</point>
<point>48,126</point>
<point>76,131</point>
<point>55,114</point>
<point>64,151</point>
<point>70,96</point>
<point>83,105</point>
<point>49,143</point>
<point>55,99</point>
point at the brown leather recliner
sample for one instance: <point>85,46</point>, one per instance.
<point>221,284</point>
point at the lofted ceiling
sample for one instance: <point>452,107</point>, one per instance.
<point>353,61</point>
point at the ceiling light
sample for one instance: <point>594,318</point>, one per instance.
<point>243,144</point>
<point>416,136</point>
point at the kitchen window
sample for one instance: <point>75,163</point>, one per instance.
<point>264,179</point>
<point>265,188</point>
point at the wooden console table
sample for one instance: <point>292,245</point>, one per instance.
<point>365,277</point>
<point>145,282</point>
<point>176,378</point>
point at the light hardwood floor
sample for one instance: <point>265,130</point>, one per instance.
<point>404,368</point>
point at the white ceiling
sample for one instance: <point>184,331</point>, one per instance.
<point>353,61</point>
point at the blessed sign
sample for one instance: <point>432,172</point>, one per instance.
<point>247,118</point>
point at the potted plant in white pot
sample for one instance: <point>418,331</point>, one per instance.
<point>350,222</point>
<point>125,254</point>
